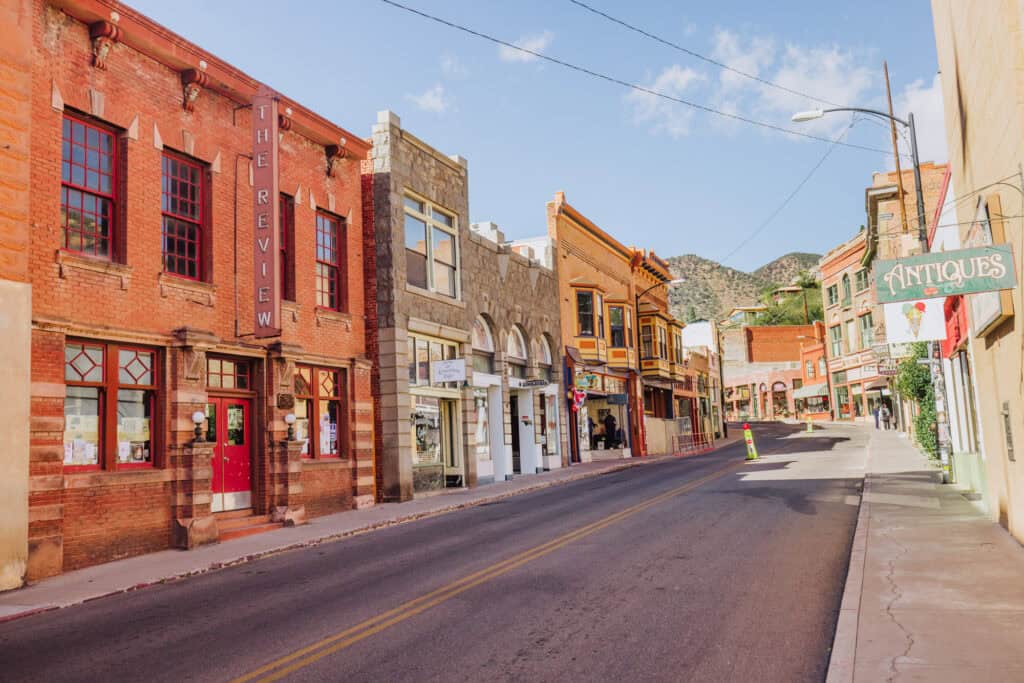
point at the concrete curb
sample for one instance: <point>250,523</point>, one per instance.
<point>844,644</point>
<point>336,536</point>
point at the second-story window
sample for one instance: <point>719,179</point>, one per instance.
<point>835,337</point>
<point>600,317</point>
<point>867,330</point>
<point>182,206</point>
<point>647,341</point>
<point>822,370</point>
<point>617,326</point>
<point>329,292</point>
<point>847,291</point>
<point>677,344</point>
<point>431,248</point>
<point>861,279</point>
<point>662,343</point>
<point>88,188</point>
<point>810,369</point>
<point>585,313</point>
<point>833,295</point>
<point>287,249</point>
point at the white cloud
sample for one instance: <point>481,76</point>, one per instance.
<point>452,67</point>
<point>535,43</point>
<point>659,114</point>
<point>752,59</point>
<point>433,100</point>
<point>925,101</point>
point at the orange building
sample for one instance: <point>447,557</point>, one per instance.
<point>614,304</point>
<point>812,399</point>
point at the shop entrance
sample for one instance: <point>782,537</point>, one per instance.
<point>227,427</point>
<point>454,468</point>
<point>513,410</point>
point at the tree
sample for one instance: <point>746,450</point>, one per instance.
<point>691,314</point>
<point>790,309</point>
<point>914,382</point>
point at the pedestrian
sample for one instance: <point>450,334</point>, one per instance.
<point>610,431</point>
<point>886,416</point>
<point>876,411</point>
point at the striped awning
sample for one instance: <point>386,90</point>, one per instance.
<point>812,390</point>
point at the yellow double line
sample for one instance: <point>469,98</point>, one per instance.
<point>279,668</point>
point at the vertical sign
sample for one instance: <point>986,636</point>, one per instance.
<point>266,221</point>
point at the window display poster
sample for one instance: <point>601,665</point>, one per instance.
<point>483,446</point>
<point>914,321</point>
<point>81,439</point>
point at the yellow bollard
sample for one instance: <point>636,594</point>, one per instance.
<point>748,436</point>
<point>810,427</point>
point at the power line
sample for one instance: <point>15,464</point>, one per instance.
<point>699,56</point>
<point>764,224</point>
<point>627,84</point>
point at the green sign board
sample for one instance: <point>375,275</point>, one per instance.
<point>946,273</point>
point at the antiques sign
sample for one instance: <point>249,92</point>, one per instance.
<point>964,271</point>
<point>266,208</point>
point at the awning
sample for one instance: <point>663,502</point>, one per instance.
<point>877,384</point>
<point>812,390</point>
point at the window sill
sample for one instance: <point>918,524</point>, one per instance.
<point>70,259</point>
<point>427,294</point>
<point>330,315</point>
<point>194,290</point>
<point>326,462</point>
<point>123,476</point>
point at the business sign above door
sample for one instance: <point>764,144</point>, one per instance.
<point>964,271</point>
<point>266,207</point>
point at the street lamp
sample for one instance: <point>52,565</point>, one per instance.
<point>922,228</point>
<point>922,236</point>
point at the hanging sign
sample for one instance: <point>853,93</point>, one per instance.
<point>266,206</point>
<point>449,370</point>
<point>914,321</point>
<point>964,271</point>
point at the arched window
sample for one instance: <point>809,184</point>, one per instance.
<point>515,353</point>
<point>847,291</point>
<point>483,346</point>
<point>544,358</point>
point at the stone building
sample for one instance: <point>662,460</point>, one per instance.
<point>424,406</point>
<point>979,51</point>
<point>195,254</point>
<point>512,295</point>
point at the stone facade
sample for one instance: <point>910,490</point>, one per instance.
<point>403,166</point>
<point>515,287</point>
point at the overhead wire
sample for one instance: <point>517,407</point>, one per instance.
<point>764,224</point>
<point>697,55</point>
<point>627,84</point>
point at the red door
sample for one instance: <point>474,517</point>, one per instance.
<point>228,428</point>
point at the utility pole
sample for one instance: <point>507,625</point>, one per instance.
<point>895,152</point>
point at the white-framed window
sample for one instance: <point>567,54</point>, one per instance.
<point>483,346</point>
<point>431,247</point>
<point>544,361</point>
<point>515,353</point>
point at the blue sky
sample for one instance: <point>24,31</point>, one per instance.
<point>653,173</point>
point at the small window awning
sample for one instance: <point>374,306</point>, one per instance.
<point>882,383</point>
<point>812,390</point>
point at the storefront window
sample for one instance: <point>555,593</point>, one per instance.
<point>426,425</point>
<point>97,405</point>
<point>482,431</point>
<point>843,401</point>
<point>422,352</point>
<point>222,373</point>
<point>550,404</point>
<point>318,411</point>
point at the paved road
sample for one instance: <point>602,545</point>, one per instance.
<point>702,568</point>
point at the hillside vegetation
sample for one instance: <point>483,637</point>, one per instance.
<point>712,289</point>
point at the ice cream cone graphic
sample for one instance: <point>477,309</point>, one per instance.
<point>915,314</point>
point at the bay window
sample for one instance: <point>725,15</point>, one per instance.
<point>182,188</point>
<point>109,406</point>
<point>88,188</point>
<point>431,247</point>
<point>617,326</point>
<point>585,313</point>
<point>647,341</point>
<point>319,419</point>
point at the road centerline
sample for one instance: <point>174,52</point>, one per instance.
<point>288,664</point>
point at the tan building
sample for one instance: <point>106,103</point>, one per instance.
<point>979,51</point>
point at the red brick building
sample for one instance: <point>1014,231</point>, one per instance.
<point>761,370</point>
<point>812,399</point>
<point>151,251</point>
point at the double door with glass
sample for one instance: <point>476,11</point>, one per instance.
<point>227,427</point>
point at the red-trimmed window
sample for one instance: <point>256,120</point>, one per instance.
<point>287,239</point>
<point>328,262</point>
<point>109,406</point>
<point>88,187</point>
<point>182,206</point>
<point>223,373</point>
<point>318,411</point>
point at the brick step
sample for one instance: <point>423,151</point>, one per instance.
<point>241,521</point>
<point>249,530</point>
<point>233,514</point>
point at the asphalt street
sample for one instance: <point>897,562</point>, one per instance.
<point>703,568</point>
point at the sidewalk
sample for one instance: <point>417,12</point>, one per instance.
<point>87,584</point>
<point>935,591</point>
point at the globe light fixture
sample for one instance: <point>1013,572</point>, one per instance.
<point>198,418</point>
<point>289,420</point>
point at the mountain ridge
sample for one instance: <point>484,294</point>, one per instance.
<point>711,289</point>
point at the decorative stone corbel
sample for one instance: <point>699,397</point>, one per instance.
<point>103,35</point>
<point>335,154</point>
<point>192,83</point>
